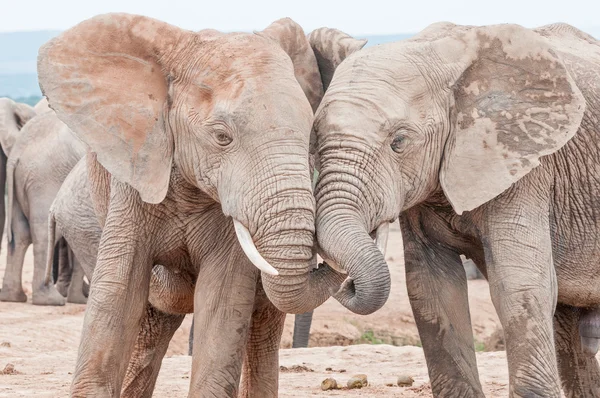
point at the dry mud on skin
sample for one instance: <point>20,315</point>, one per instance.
<point>42,342</point>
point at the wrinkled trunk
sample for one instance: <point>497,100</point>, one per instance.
<point>278,210</point>
<point>344,224</point>
<point>287,243</point>
<point>347,243</point>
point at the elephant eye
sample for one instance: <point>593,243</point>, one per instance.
<point>397,142</point>
<point>221,134</point>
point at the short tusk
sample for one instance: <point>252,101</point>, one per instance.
<point>381,236</point>
<point>250,249</point>
<point>330,263</point>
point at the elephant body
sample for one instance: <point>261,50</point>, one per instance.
<point>485,141</point>
<point>206,146</point>
<point>13,116</point>
<point>40,160</point>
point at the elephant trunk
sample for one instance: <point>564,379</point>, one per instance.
<point>344,236</point>
<point>277,235</point>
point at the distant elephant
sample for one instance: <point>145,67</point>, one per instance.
<point>40,160</point>
<point>187,130</point>
<point>486,142</point>
<point>13,116</point>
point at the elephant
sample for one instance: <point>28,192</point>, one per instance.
<point>40,160</point>
<point>13,116</point>
<point>483,141</point>
<point>197,169</point>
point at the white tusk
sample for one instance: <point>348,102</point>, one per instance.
<point>250,249</point>
<point>332,265</point>
<point>381,236</point>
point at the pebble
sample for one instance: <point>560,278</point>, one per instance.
<point>329,384</point>
<point>405,381</point>
<point>358,381</point>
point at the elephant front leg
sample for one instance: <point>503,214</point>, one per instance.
<point>518,254</point>
<point>119,293</point>
<point>151,346</point>
<point>437,289</point>
<point>223,307</point>
<point>579,372</point>
<point>260,374</point>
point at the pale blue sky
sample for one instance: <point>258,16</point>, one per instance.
<point>356,17</point>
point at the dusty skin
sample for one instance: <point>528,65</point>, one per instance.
<point>41,343</point>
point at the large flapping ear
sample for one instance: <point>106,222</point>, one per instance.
<point>107,79</point>
<point>290,37</point>
<point>331,47</point>
<point>13,116</point>
<point>514,102</point>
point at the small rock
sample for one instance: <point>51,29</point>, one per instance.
<point>389,384</point>
<point>342,370</point>
<point>328,369</point>
<point>5,344</point>
<point>9,369</point>
<point>405,381</point>
<point>329,384</point>
<point>358,381</point>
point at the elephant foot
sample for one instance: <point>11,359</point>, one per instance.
<point>79,298</point>
<point>48,296</point>
<point>13,295</point>
<point>63,288</point>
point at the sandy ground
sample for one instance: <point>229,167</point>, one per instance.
<point>41,343</point>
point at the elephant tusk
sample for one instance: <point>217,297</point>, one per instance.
<point>330,263</point>
<point>381,237</point>
<point>250,249</point>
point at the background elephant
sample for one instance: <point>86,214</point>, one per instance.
<point>485,140</point>
<point>13,116</point>
<point>210,126</point>
<point>40,160</point>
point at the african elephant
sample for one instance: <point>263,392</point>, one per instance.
<point>208,127</point>
<point>13,116</point>
<point>485,142</point>
<point>40,160</point>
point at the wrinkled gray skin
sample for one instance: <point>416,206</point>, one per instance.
<point>40,160</point>
<point>13,116</point>
<point>210,127</point>
<point>446,129</point>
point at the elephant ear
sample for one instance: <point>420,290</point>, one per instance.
<point>13,116</point>
<point>331,47</point>
<point>290,37</point>
<point>106,78</point>
<point>514,102</point>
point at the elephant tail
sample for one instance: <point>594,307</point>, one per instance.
<point>10,185</point>
<point>52,239</point>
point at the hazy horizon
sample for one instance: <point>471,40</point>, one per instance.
<point>376,17</point>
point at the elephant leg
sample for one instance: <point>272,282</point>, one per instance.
<point>75,293</point>
<point>118,297</point>
<point>65,268</point>
<point>152,343</point>
<point>522,280</point>
<point>223,306</point>
<point>579,373</point>
<point>42,294</point>
<point>12,284</point>
<point>302,324</point>
<point>2,192</point>
<point>437,290</point>
<point>260,374</point>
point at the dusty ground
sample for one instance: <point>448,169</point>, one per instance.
<point>41,343</point>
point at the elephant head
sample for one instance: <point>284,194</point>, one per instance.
<point>229,112</point>
<point>13,116</point>
<point>462,112</point>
